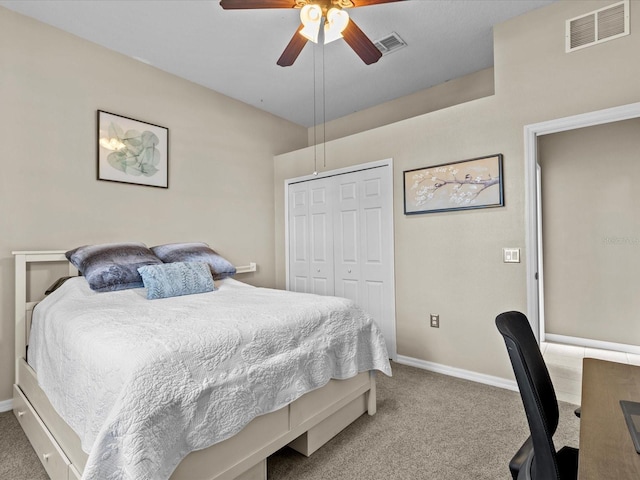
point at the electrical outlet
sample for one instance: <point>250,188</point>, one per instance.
<point>435,320</point>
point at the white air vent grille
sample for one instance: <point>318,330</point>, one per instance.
<point>598,26</point>
<point>390,43</point>
<point>611,22</point>
<point>583,31</point>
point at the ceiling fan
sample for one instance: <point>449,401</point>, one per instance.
<point>337,24</point>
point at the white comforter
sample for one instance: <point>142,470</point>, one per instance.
<point>145,382</point>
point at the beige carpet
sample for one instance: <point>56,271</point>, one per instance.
<point>18,461</point>
<point>428,427</point>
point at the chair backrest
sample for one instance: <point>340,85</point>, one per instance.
<point>536,390</point>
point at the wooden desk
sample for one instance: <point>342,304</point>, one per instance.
<point>606,448</point>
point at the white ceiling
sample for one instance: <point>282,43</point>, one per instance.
<point>235,51</point>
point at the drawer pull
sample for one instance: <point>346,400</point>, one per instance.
<point>46,456</point>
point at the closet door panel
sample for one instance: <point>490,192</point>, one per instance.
<point>347,238</point>
<point>376,267</point>
<point>350,289</point>
<point>373,265</point>
<point>298,238</point>
<point>375,299</point>
<point>321,265</point>
<point>320,286</point>
<point>372,239</point>
<point>299,284</point>
<point>371,204</point>
<point>349,227</point>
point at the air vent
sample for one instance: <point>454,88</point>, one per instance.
<point>390,43</point>
<point>598,26</point>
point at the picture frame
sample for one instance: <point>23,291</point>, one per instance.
<point>132,151</point>
<point>463,185</point>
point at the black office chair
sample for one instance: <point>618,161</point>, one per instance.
<point>537,459</point>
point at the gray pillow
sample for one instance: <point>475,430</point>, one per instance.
<point>175,279</point>
<point>195,252</point>
<point>112,266</point>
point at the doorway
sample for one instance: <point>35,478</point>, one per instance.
<point>533,175</point>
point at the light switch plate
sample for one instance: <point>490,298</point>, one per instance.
<point>511,255</point>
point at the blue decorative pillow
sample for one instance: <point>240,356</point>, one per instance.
<point>175,279</point>
<point>112,266</point>
<point>195,252</point>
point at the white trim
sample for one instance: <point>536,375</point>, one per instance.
<point>531,134</point>
<point>6,405</point>
<point>459,373</point>
<point>340,171</point>
<point>589,119</point>
<point>589,343</point>
<point>286,235</point>
<point>531,219</point>
<point>540,255</point>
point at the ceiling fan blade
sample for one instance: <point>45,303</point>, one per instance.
<point>361,44</point>
<point>292,50</point>
<point>364,3</point>
<point>248,4</point>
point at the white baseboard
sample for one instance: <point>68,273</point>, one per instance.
<point>459,373</point>
<point>6,405</point>
<point>587,342</point>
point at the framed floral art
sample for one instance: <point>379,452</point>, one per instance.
<point>131,151</point>
<point>468,184</point>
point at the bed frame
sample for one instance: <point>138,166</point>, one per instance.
<point>305,425</point>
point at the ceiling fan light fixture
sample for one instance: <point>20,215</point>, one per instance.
<point>337,21</point>
<point>311,16</point>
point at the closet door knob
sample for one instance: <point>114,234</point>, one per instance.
<point>21,413</point>
<point>318,270</point>
<point>349,270</point>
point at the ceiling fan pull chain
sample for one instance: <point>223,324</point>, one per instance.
<point>324,116</point>
<point>315,122</point>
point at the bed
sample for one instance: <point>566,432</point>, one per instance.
<point>304,419</point>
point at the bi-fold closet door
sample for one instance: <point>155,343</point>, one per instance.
<point>341,241</point>
<point>311,237</point>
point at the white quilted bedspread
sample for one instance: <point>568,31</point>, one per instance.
<point>145,382</point>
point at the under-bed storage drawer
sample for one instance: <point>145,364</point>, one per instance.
<point>53,459</point>
<point>332,397</point>
<point>317,436</point>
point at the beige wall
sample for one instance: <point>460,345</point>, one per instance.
<point>591,233</point>
<point>459,90</point>
<point>450,263</point>
<point>220,164</point>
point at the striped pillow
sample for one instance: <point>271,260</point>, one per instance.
<point>195,252</point>
<point>112,266</point>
